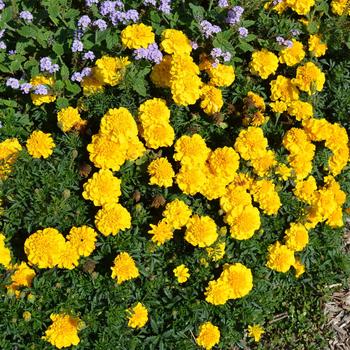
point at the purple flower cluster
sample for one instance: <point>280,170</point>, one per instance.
<point>12,83</point>
<point>2,43</point>
<point>234,15</point>
<point>89,56</point>
<point>2,5</point>
<point>217,53</point>
<point>243,32</point>
<point>100,24</point>
<point>223,3</point>
<point>165,6</point>
<point>194,45</point>
<point>295,32</point>
<point>77,46</point>
<point>151,53</point>
<point>26,15</point>
<point>40,90</point>
<point>84,22</point>
<point>124,17</point>
<point>284,42</point>
<point>276,2</point>
<point>89,3</point>
<point>25,88</point>
<point>78,76</point>
<point>47,66</point>
<point>209,29</point>
<point>12,52</point>
<point>150,2</point>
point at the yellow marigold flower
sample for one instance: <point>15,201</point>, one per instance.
<point>9,149</point>
<point>235,198</point>
<point>340,6</point>
<point>158,135</point>
<point>217,292</point>
<point>22,276</point>
<point>27,316</point>
<point>187,90</point>
<point>283,89</point>
<point>63,332</point>
<point>105,153</point>
<point>103,188</point>
<point>137,316</point>
<point>299,268</point>
<point>112,218</point>
<point>265,194</point>
<point>182,67</point>
<point>44,247</point>
<point>224,162</point>
<point>160,74</point>
<point>135,36</point>
<point>301,7</point>
<point>264,163</point>
<point>278,106</point>
<point>40,144</point>
<point>239,279</point>
<point>161,171</point>
<point>255,331</point>
<point>5,253</point>
<point>300,110</point>
<point>221,75</point>
<point>244,225</point>
<point>296,237</point>
<point>175,42</point>
<point>211,99</point>
<point>316,47</point>
<point>309,78</point>
<point>119,125</point>
<point>153,111</point>
<point>280,7</point>
<point>181,273</point>
<point>83,239</point>
<point>177,214</point>
<point>251,143</point>
<point>161,232</point>
<point>263,63</point>
<point>201,231</point>
<point>92,83</point>
<point>110,70</point>
<point>42,80</point>
<point>135,150</point>
<point>292,55</point>
<point>216,252</point>
<point>255,101</point>
<point>69,118</point>
<point>124,268</point>
<point>191,150</point>
<point>192,179</point>
<point>305,189</point>
<point>280,257</point>
<point>209,335</point>
<point>214,185</point>
<point>69,259</point>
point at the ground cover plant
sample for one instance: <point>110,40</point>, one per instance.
<point>173,174</point>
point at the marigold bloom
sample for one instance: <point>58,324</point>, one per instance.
<point>221,75</point>
<point>40,144</point>
<point>162,172</point>
<point>255,331</point>
<point>83,239</point>
<point>42,80</point>
<point>110,70</point>
<point>63,332</point>
<point>211,99</point>
<point>93,83</point>
<point>209,335</point>
<point>44,247</point>
<point>69,258</point>
<point>192,179</point>
<point>181,273</point>
<point>191,150</point>
<point>283,89</point>
<point>305,189</point>
<point>22,276</point>
<point>135,36</point>
<point>263,63</point>
<point>124,268</point>
<point>292,55</point>
<point>316,47</point>
<point>300,110</point>
<point>309,78</point>
<point>299,268</point>
<point>224,162</point>
<point>301,7</point>
<point>339,6</point>
<point>217,292</point>
<point>217,251</point>
<point>102,188</point>
<point>137,316</point>
<point>159,135</point>
<point>265,194</point>
<point>161,232</point>
<point>280,257</point>
<point>177,214</point>
<point>160,74</point>
<point>5,253</point>
<point>201,231</point>
<point>175,42</point>
<point>112,218</point>
<point>251,143</point>
<point>69,118</point>
<point>296,237</point>
<point>9,149</point>
<point>153,111</point>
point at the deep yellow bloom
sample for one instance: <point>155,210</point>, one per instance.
<point>162,172</point>
<point>283,89</point>
<point>221,75</point>
<point>137,316</point>
<point>40,144</point>
<point>191,150</point>
<point>42,80</point>
<point>209,335</point>
<point>301,7</point>
<point>135,36</point>
<point>175,42</point>
<point>5,253</point>
<point>181,273</point>
<point>317,48</point>
<point>309,78</point>
<point>110,70</point>
<point>124,268</point>
<point>69,118</point>
<point>280,257</point>
<point>161,232</point>
<point>211,99</point>
<point>224,162</point>
<point>255,331</point>
<point>217,292</point>
<point>21,277</point>
<point>177,214</point>
<point>299,268</point>
<point>263,63</point>
<point>292,55</point>
<point>83,239</point>
<point>201,231</point>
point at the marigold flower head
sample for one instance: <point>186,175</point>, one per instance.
<point>181,273</point>
<point>177,214</point>
<point>264,163</point>
<point>112,218</point>
<point>83,239</point>
<point>201,231</point>
<point>214,185</point>
<point>63,332</point>
<point>37,99</point>
<point>69,118</point>
<point>255,331</point>
<point>217,251</point>
<point>161,232</point>
<point>22,276</point>
<point>192,179</point>
<point>137,316</point>
<point>40,144</point>
<point>175,42</point>
<point>251,143</point>
<point>300,110</point>
<point>299,268</point>
<point>191,150</point>
<point>9,149</point>
<point>136,36</point>
<point>255,101</point>
<point>280,257</point>
<point>265,194</point>
<point>235,199</point>
<point>316,46</point>
<point>224,162</point>
<point>283,89</point>
<point>110,70</point>
<point>296,237</point>
<point>212,101</point>
<point>301,7</point>
<point>158,135</point>
<point>278,106</point>
<point>209,335</point>
<point>153,111</point>
<point>340,7</point>
<point>160,74</point>
<point>5,253</point>
<point>309,78</point>
<point>221,75</point>
<point>102,188</point>
<point>305,189</point>
<point>124,268</point>
<point>186,90</point>
<point>292,55</point>
<point>69,258</point>
<point>93,83</point>
<point>263,63</point>
<point>161,172</point>
<point>217,292</point>
<point>44,247</point>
